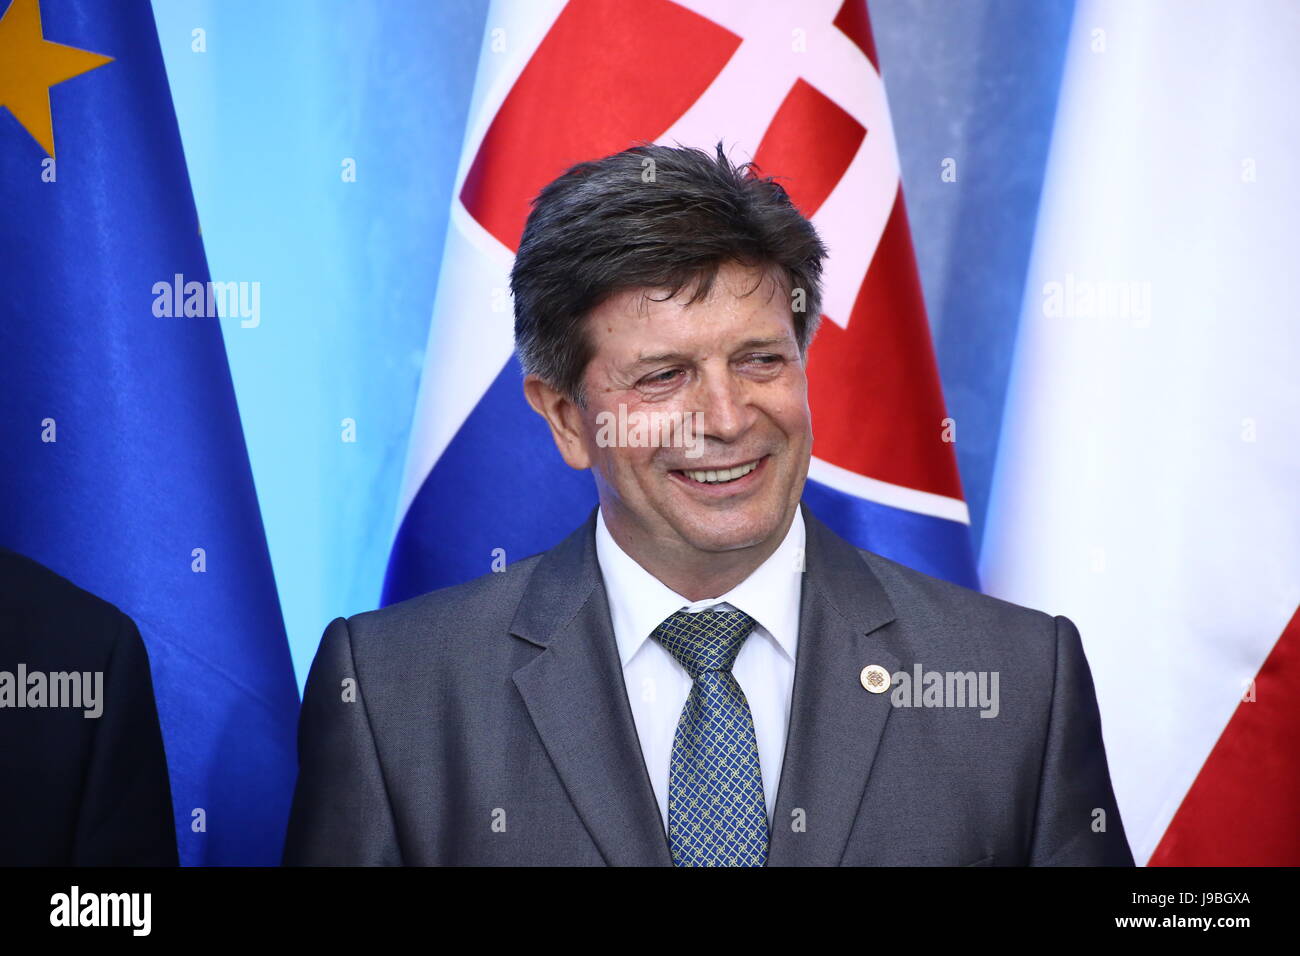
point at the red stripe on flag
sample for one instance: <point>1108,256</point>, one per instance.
<point>1244,807</point>
<point>604,76</point>
<point>809,145</point>
<point>853,22</point>
<point>877,405</point>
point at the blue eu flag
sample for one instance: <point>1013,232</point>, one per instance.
<point>122,458</point>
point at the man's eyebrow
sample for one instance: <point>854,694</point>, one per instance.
<point>765,343</point>
<point>658,357</point>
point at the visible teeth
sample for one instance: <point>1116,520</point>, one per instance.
<point>726,474</point>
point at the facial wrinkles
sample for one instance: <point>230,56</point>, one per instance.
<point>710,366</point>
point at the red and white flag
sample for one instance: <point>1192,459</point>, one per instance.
<point>1148,480</point>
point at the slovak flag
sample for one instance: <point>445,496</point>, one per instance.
<point>797,90</point>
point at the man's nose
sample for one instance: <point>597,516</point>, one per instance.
<point>724,400</point>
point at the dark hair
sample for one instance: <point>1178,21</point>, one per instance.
<point>649,217</point>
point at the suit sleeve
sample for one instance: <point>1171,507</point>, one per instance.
<point>1075,784</point>
<point>125,812</point>
<point>341,814</point>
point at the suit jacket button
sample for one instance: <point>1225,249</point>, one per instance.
<point>875,678</point>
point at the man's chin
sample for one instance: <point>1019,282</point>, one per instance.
<point>711,538</point>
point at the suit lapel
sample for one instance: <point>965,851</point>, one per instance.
<point>835,725</point>
<point>575,694</point>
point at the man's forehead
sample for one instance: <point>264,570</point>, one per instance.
<point>730,308</point>
<point>731,287</point>
<point>652,356</point>
<point>684,333</point>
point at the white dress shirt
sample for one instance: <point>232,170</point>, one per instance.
<point>657,685</point>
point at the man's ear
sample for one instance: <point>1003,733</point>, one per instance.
<point>564,417</point>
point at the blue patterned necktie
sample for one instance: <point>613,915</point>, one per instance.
<point>716,813</point>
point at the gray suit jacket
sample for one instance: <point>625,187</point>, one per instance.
<point>490,725</point>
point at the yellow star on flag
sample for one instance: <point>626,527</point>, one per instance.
<point>30,65</point>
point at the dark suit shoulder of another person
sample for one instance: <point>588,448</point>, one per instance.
<point>80,790</point>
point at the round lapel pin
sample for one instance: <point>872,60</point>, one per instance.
<point>874,678</point>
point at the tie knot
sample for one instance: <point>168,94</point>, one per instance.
<point>704,640</point>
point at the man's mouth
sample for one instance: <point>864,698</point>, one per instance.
<point>719,476</point>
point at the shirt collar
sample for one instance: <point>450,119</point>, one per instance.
<point>639,602</point>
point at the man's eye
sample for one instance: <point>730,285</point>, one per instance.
<point>765,359</point>
<point>659,378</point>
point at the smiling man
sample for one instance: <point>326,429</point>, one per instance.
<point>733,357</point>
<point>703,673</point>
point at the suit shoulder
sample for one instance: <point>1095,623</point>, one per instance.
<point>933,602</point>
<point>480,602</point>
<point>46,609</point>
<point>29,585</point>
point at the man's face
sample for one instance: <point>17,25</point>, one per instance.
<point>732,358</point>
